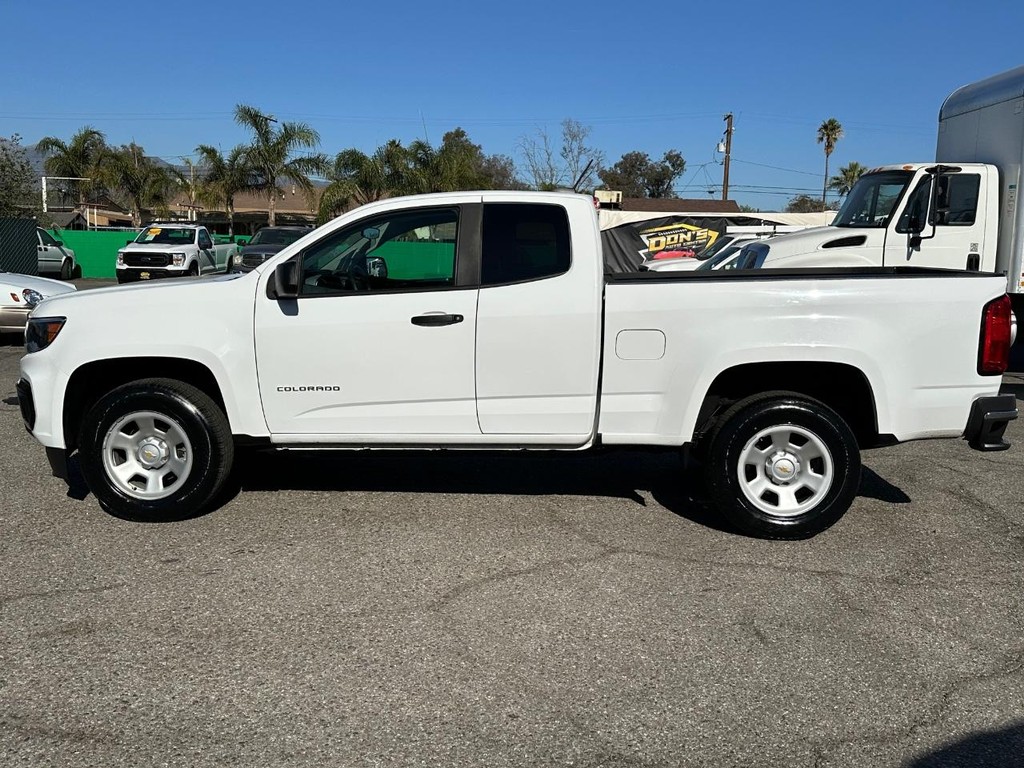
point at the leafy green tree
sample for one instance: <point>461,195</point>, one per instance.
<point>18,196</point>
<point>137,180</point>
<point>829,133</point>
<point>636,175</point>
<point>271,155</point>
<point>847,177</point>
<point>81,157</point>
<point>804,204</point>
<point>457,164</point>
<point>223,178</point>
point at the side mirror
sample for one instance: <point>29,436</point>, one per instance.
<point>377,267</point>
<point>285,284</point>
<point>59,242</point>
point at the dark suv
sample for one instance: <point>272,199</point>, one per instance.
<point>264,244</point>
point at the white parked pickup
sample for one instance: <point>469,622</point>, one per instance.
<point>172,250</point>
<point>485,320</point>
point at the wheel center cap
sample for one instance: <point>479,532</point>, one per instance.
<point>783,468</point>
<point>152,453</point>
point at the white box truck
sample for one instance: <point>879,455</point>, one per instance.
<point>958,212</point>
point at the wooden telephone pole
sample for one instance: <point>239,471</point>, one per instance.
<point>728,155</point>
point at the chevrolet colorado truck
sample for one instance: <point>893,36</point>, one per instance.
<point>485,320</point>
<point>173,249</point>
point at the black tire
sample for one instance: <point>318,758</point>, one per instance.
<point>801,438</point>
<point>193,269</point>
<point>122,279</point>
<point>196,430</point>
<point>66,270</point>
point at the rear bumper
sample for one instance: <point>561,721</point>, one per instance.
<point>988,420</point>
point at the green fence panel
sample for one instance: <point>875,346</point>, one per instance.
<point>95,252</point>
<point>417,260</point>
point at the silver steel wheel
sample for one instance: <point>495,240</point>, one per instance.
<point>147,455</point>
<point>785,470</point>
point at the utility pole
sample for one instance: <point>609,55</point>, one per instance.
<point>728,155</point>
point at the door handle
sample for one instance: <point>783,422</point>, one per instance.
<point>439,318</point>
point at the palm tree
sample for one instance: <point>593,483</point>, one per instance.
<point>829,132</point>
<point>357,178</point>
<point>143,184</point>
<point>82,157</point>
<point>270,156</point>
<point>847,177</point>
<point>224,177</point>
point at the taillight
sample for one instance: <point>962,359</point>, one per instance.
<point>994,349</point>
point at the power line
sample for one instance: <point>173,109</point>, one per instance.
<point>776,167</point>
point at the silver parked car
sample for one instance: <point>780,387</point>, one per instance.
<point>55,258</point>
<point>19,294</point>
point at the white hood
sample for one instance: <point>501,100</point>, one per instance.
<point>12,282</point>
<point>826,247</point>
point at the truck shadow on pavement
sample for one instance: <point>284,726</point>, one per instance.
<point>1003,748</point>
<point>633,475</point>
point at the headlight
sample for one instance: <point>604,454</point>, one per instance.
<point>120,258</point>
<point>31,297</point>
<point>41,331</point>
<point>178,259</point>
<point>237,258</point>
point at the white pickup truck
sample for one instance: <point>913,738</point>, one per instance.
<point>485,320</point>
<point>174,249</point>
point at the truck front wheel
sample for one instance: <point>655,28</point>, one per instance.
<point>155,449</point>
<point>782,466</point>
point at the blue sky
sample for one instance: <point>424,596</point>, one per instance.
<point>645,76</point>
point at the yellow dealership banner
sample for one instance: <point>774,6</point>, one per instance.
<point>627,246</point>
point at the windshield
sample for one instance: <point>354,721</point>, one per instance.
<point>167,236</point>
<point>715,248</point>
<point>270,236</point>
<point>872,199</point>
<point>723,255</point>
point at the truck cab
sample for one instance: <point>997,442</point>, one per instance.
<point>915,214</point>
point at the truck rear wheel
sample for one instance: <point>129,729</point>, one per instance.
<point>155,449</point>
<point>782,466</point>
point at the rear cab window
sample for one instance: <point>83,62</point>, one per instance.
<point>524,241</point>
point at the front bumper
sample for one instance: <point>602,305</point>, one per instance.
<point>134,274</point>
<point>13,319</point>
<point>988,420</point>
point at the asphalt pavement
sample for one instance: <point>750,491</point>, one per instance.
<point>456,609</point>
